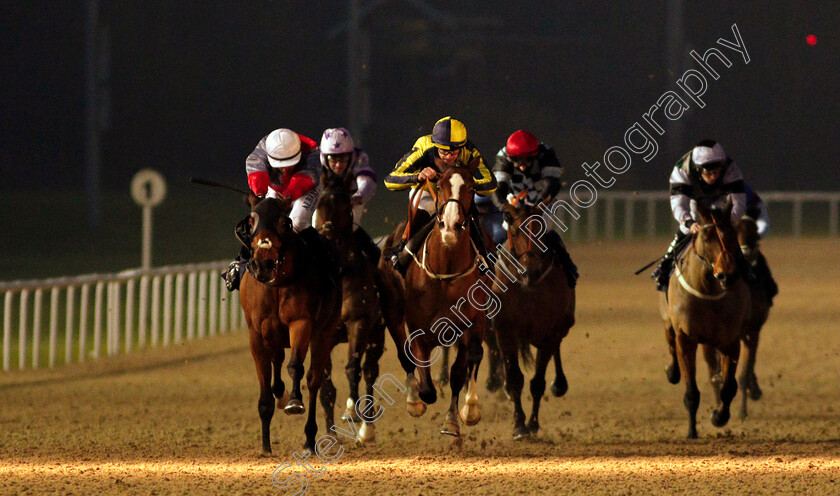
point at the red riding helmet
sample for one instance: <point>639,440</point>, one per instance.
<point>522,144</point>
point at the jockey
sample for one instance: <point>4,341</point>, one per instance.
<point>283,165</point>
<point>757,210</point>
<point>526,165</point>
<point>707,174</point>
<point>431,154</point>
<point>340,155</point>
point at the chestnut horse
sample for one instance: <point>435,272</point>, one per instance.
<point>706,304</point>
<point>361,319</point>
<point>444,274</point>
<point>528,284</point>
<point>290,301</point>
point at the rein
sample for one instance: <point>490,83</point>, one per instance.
<point>413,204</point>
<point>681,278</point>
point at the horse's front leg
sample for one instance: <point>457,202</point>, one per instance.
<point>560,385</point>
<point>356,342</point>
<point>496,372</point>
<point>729,363</point>
<point>458,377</point>
<point>443,376</point>
<point>265,404</point>
<point>299,336</point>
<point>320,348</point>
<point>710,354</point>
<point>747,380</point>
<point>328,396</point>
<point>375,348</point>
<point>470,413</point>
<point>687,356</point>
<point>538,386</point>
<point>672,370</point>
<point>279,388</point>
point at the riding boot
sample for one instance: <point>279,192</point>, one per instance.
<point>663,271</point>
<point>744,267</point>
<point>401,258</point>
<point>236,270</point>
<point>561,257</point>
<point>324,252</point>
<point>367,245</point>
<point>762,272</point>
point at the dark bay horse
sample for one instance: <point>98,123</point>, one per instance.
<point>706,304</point>
<point>537,309</point>
<point>361,319</point>
<point>437,286</point>
<point>289,302</point>
<point>756,317</point>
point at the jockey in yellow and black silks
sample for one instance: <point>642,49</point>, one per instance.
<point>446,146</point>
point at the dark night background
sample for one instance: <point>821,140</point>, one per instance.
<point>194,85</point>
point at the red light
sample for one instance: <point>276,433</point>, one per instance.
<point>811,39</point>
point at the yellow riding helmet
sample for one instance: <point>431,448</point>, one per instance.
<point>449,134</point>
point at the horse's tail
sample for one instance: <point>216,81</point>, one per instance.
<point>526,357</point>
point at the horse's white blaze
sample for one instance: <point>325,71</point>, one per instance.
<point>451,211</point>
<point>264,243</point>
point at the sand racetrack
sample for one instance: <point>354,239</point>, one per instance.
<point>183,420</point>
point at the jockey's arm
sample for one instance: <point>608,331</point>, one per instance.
<point>256,167</point>
<point>408,168</point>
<point>485,182</point>
<point>680,189</point>
<point>733,184</point>
<point>365,179</point>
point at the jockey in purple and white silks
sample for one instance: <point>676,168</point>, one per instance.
<point>340,156</point>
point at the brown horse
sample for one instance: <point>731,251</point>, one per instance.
<point>361,318</point>
<point>289,302</point>
<point>437,287</point>
<point>706,304</point>
<point>528,282</point>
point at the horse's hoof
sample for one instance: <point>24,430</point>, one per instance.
<point>428,397</point>
<point>520,432</point>
<point>720,418</point>
<point>533,426</point>
<point>282,401</point>
<point>264,453</point>
<point>754,392</point>
<point>470,414</point>
<point>673,374</point>
<point>415,408</point>
<point>451,428</point>
<point>294,407</point>
<point>367,434</point>
<point>692,435</point>
<point>559,389</point>
<point>742,414</point>
<point>494,383</point>
<point>350,412</point>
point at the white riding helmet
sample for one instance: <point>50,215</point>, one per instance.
<point>335,141</point>
<point>283,148</point>
<point>708,151</point>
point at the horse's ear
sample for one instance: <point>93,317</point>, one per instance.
<point>253,200</point>
<point>702,210</point>
<point>439,163</point>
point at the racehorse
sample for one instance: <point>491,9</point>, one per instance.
<point>290,301</point>
<point>528,283</point>
<point>444,274</point>
<point>757,316</point>
<point>361,319</point>
<point>706,303</point>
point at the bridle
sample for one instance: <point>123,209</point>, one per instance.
<point>703,258</point>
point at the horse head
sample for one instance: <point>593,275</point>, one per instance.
<point>717,243</point>
<point>334,212</point>
<point>521,239</point>
<point>748,238</point>
<point>272,240</point>
<point>455,194</point>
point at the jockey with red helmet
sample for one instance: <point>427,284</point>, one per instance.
<point>525,165</point>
